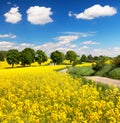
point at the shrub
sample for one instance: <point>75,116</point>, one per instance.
<point>116,61</point>
<point>98,65</point>
<point>105,70</point>
<point>115,73</point>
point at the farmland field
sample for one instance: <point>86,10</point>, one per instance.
<point>42,95</point>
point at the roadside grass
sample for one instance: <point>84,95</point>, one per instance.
<point>115,73</point>
<point>104,72</point>
<point>81,71</point>
<point>108,71</point>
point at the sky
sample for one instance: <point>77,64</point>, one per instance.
<point>85,26</point>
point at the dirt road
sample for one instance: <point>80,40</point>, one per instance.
<point>104,80</point>
<point>63,71</point>
<point>99,79</point>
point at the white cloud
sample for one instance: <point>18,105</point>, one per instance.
<point>66,39</point>
<point>5,45</point>
<point>84,47</point>
<point>50,47</point>
<point>39,15</point>
<point>89,42</point>
<point>7,35</point>
<point>23,45</point>
<point>80,34</point>
<point>13,16</point>
<point>95,12</point>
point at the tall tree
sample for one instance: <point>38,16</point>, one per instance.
<point>57,57</point>
<point>40,56</point>
<point>71,55</point>
<point>116,61</point>
<point>2,55</point>
<point>12,57</point>
<point>98,65</point>
<point>83,58</point>
<point>90,58</point>
<point>27,56</point>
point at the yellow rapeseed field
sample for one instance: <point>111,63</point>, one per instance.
<point>42,95</point>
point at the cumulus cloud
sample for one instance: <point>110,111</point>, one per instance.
<point>6,45</point>
<point>39,15</point>
<point>24,45</point>
<point>7,35</point>
<point>84,47</point>
<point>13,16</point>
<point>80,34</point>
<point>66,39</point>
<point>50,47</point>
<point>95,12</point>
<point>89,42</point>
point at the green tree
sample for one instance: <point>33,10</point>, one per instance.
<point>57,57</point>
<point>83,58</point>
<point>71,55</point>
<point>90,58</point>
<point>27,56</point>
<point>75,63</point>
<point>98,65</point>
<point>40,56</point>
<point>2,55</point>
<point>116,61</point>
<point>12,57</point>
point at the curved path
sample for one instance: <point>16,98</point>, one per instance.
<point>99,79</point>
<point>63,70</point>
<point>104,80</point>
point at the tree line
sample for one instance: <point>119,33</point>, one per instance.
<point>28,56</point>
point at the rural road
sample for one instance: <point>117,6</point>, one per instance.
<point>104,80</point>
<point>63,71</point>
<point>99,79</point>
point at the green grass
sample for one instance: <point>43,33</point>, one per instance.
<point>107,71</point>
<point>81,71</point>
<point>104,72</point>
<point>115,73</point>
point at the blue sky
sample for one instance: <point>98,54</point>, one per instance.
<point>87,27</point>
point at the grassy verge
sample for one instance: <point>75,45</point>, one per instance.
<point>115,73</point>
<point>107,71</point>
<point>81,71</point>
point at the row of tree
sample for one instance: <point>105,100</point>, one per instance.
<point>29,56</point>
<point>2,55</point>
<point>25,57</point>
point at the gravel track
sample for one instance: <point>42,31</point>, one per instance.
<point>99,79</point>
<point>104,80</point>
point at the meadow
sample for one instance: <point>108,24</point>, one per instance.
<point>86,70</point>
<point>39,94</point>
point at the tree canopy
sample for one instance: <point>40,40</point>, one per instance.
<point>83,58</point>
<point>116,61</point>
<point>2,55</point>
<point>71,55</point>
<point>27,56</point>
<point>57,57</point>
<point>12,57</point>
<point>40,56</point>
